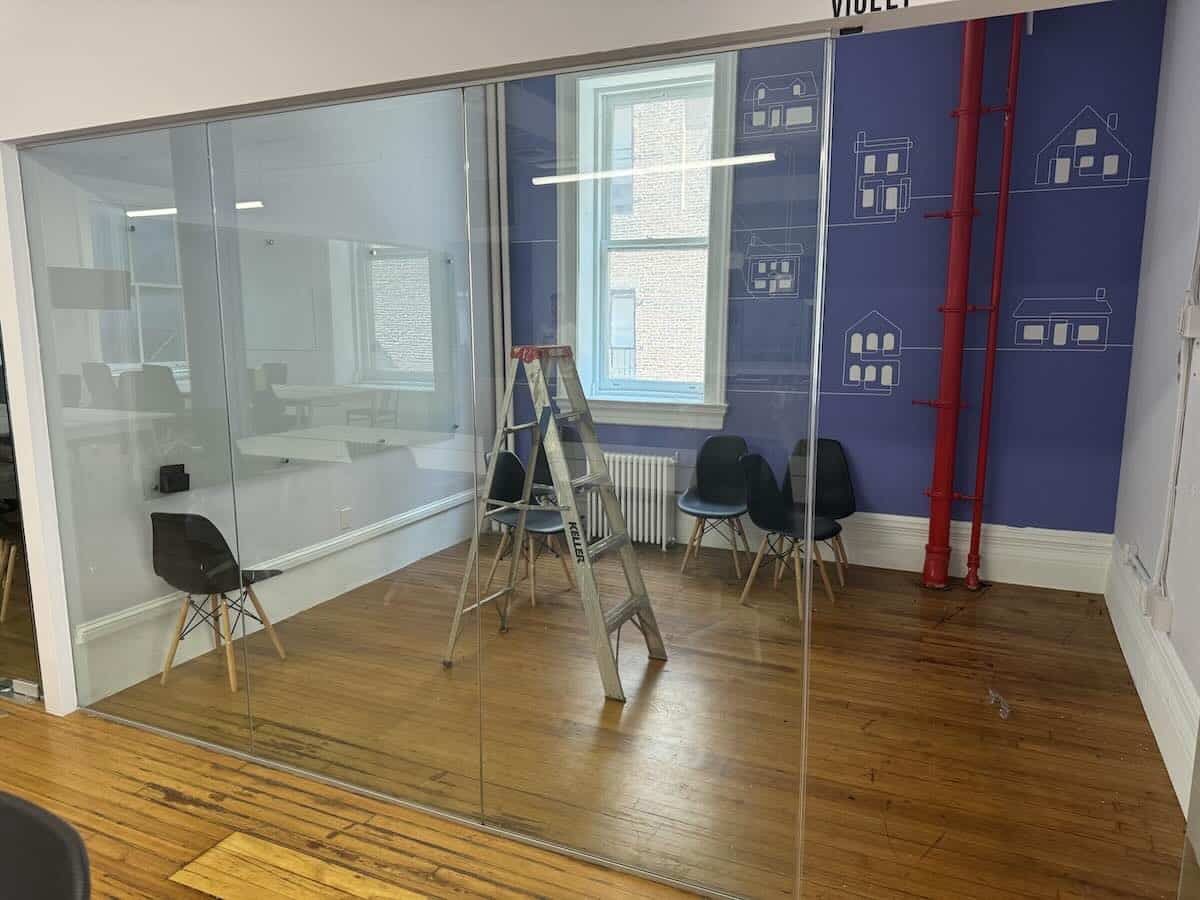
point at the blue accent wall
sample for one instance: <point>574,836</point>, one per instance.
<point>1089,84</point>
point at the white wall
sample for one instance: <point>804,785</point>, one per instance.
<point>1166,669</point>
<point>81,64</point>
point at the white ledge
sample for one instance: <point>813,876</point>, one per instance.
<point>704,416</point>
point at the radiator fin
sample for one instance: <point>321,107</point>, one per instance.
<point>645,488</point>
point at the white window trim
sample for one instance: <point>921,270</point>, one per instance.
<point>709,414</point>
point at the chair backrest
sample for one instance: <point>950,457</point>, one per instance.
<point>275,372</point>
<point>70,389</point>
<point>191,554</point>
<point>572,451</point>
<point>833,492</point>
<point>41,856</point>
<point>160,390</point>
<point>719,474</point>
<point>102,390</point>
<point>764,500</point>
<point>508,485</point>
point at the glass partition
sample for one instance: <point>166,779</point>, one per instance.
<point>275,351</point>
<point>124,265</point>
<point>665,223</point>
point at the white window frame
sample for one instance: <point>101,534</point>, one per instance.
<point>579,208</point>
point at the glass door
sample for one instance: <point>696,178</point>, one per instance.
<point>665,223</point>
<point>345,300</point>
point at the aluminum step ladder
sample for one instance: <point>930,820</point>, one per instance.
<point>542,364</point>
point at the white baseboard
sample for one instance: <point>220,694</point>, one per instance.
<point>1039,557</point>
<point>1171,701</point>
<point>126,647</point>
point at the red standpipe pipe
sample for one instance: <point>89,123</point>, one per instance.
<point>989,371</point>
<point>935,573</point>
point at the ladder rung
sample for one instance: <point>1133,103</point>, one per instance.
<point>528,507</point>
<point>615,618</point>
<point>592,479</point>
<point>488,599</point>
<point>570,416</point>
<point>524,426</point>
<point>602,546</point>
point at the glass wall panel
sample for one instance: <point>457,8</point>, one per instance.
<point>346,303</point>
<point>665,222</point>
<point>124,265</point>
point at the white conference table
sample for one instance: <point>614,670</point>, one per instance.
<point>81,423</point>
<point>331,443</point>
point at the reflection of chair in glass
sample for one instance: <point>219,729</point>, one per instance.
<point>11,542</point>
<point>191,555</point>
<point>160,392</point>
<point>547,525</point>
<point>40,854</point>
<point>384,410</point>
<point>833,492</point>
<point>717,496</point>
<point>102,389</point>
<point>783,527</point>
<point>274,372</point>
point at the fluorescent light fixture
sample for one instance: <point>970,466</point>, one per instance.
<point>724,162</point>
<point>171,210</point>
<point>141,213</point>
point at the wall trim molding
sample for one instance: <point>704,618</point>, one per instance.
<point>1038,557</point>
<point>1171,701</point>
<point>125,618</point>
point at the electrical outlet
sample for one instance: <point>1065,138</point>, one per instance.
<point>343,518</point>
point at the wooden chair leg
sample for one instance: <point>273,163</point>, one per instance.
<point>175,638</point>
<point>10,568</point>
<point>532,573</point>
<point>741,529</point>
<point>225,632</point>
<point>840,566</point>
<point>799,579</point>
<point>778,573</point>
<point>215,621</point>
<point>824,574</point>
<point>762,548</point>
<point>691,541</point>
<point>504,539</point>
<point>266,622</point>
<point>561,543</point>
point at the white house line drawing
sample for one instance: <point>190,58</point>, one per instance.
<point>1063,323</point>
<point>882,186</point>
<point>772,270</point>
<point>781,104</point>
<point>871,355</point>
<point>1086,151</point>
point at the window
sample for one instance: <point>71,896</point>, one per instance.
<point>644,243</point>
<point>153,329</point>
<point>396,342</point>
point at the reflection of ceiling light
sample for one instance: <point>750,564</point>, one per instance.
<point>171,210</point>
<point>724,162</point>
<point>139,213</point>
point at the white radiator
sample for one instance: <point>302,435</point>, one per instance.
<point>645,487</point>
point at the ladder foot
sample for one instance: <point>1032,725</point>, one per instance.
<point>447,663</point>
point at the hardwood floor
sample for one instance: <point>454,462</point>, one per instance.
<point>916,786</point>
<point>165,820</point>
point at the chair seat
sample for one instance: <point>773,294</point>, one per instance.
<point>823,529</point>
<point>538,521</point>
<point>694,505</point>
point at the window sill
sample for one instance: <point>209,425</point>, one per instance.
<point>651,413</point>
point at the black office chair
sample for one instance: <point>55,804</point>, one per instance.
<point>833,491</point>
<point>543,527</point>
<point>717,496</point>
<point>70,390</point>
<point>543,483</point>
<point>160,390</point>
<point>783,526</point>
<point>102,388</point>
<point>41,856</point>
<point>191,555</point>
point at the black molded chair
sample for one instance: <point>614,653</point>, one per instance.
<point>717,496</point>
<point>833,490</point>
<point>784,528</point>
<point>543,483</point>
<point>102,387</point>
<point>191,555</point>
<point>544,528</point>
<point>41,856</point>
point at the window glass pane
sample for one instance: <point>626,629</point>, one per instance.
<point>152,250</point>
<point>669,286</point>
<point>399,309</point>
<point>162,324</point>
<point>669,128</point>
